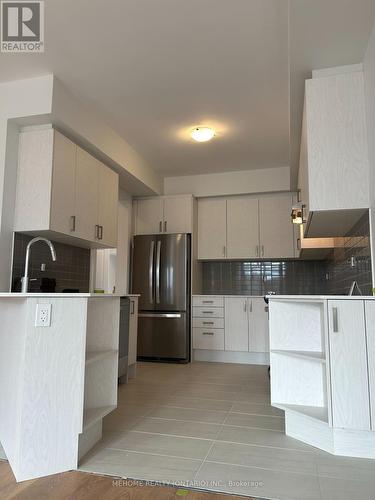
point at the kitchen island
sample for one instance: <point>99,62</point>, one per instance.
<point>58,377</point>
<point>322,356</point>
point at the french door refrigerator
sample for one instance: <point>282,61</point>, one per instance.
<point>161,275</point>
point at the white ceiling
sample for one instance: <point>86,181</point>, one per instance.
<point>155,68</point>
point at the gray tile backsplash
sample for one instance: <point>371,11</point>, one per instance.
<point>71,270</point>
<point>296,277</point>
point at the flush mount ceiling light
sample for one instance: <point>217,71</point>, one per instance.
<point>202,134</point>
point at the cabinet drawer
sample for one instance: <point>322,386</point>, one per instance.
<point>208,300</point>
<point>208,338</point>
<point>208,322</point>
<point>208,312</point>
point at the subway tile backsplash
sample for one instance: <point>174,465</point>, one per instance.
<point>71,270</point>
<point>332,276</point>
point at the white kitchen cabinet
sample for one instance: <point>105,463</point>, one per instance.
<point>86,205</point>
<point>63,192</point>
<point>133,336</point>
<point>370,331</point>
<point>149,218</point>
<point>245,227</point>
<point>178,214</point>
<point>212,228</point>
<point>334,169</point>
<point>276,232</point>
<point>236,324</point>
<point>164,214</point>
<point>348,363</point>
<point>258,325</point>
<point>107,205</point>
<point>242,227</point>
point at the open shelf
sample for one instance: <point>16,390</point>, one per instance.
<point>92,356</point>
<point>92,415</point>
<point>311,355</point>
<point>317,412</point>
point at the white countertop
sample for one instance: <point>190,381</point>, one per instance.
<point>320,298</point>
<point>18,295</point>
<point>225,295</point>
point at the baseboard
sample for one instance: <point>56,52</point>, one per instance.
<point>247,358</point>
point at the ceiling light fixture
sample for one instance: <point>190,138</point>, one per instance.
<point>202,134</point>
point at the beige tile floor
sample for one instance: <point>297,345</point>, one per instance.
<point>211,426</point>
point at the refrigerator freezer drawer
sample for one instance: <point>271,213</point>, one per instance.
<point>163,336</point>
<point>208,338</point>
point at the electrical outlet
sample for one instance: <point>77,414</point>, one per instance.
<point>43,315</point>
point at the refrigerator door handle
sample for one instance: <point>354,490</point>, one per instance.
<point>162,315</point>
<point>157,273</point>
<point>151,272</point>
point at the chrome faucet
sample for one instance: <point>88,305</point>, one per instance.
<point>25,279</point>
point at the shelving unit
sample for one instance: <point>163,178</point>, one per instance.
<point>93,415</point>
<point>320,413</point>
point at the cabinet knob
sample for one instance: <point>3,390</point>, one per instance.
<point>165,226</point>
<point>160,226</point>
<point>72,223</point>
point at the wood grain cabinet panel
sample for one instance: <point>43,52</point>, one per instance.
<point>348,364</point>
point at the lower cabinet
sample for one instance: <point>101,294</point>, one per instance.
<point>348,364</point>
<point>370,331</point>
<point>234,324</point>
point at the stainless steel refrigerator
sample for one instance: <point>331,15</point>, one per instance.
<point>161,275</point>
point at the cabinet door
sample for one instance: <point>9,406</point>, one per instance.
<point>86,196</point>
<point>63,185</point>
<point>133,328</point>
<point>348,363</point>
<point>149,216</point>
<point>258,325</point>
<point>236,324</point>
<point>178,215</point>
<point>242,227</point>
<point>370,330</point>
<point>212,228</point>
<point>276,228</point>
<point>108,204</point>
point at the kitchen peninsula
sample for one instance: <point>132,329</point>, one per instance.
<point>322,354</point>
<point>58,379</point>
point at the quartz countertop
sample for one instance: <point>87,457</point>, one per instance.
<point>320,298</point>
<point>226,295</point>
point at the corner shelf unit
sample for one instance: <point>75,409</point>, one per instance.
<point>298,342</point>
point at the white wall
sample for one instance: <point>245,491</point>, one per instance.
<point>228,183</point>
<point>369,73</point>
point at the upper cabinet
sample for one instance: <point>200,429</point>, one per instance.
<point>245,227</point>
<point>64,193</point>
<point>334,172</point>
<point>163,214</point>
<point>212,228</point>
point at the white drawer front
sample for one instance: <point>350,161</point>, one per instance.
<point>208,322</point>
<point>209,301</point>
<point>208,312</point>
<point>208,338</point>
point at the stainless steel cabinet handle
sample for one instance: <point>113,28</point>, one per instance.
<point>73,223</point>
<point>251,306</point>
<point>157,277</point>
<point>262,250</point>
<point>224,251</point>
<point>100,237</point>
<point>257,251</point>
<point>165,226</point>
<point>97,231</point>
<point>335,319</point>
<point>207,312</point>
<point>208,322</point>
<point>207,301</point>
<point>244,305</point>
<point>207,333</point>
<point>160,227</point>
<point>151,272</point>
<point>299,196</point>
<point>133,307</point>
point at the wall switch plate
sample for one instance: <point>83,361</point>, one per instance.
<point>43,315</point>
